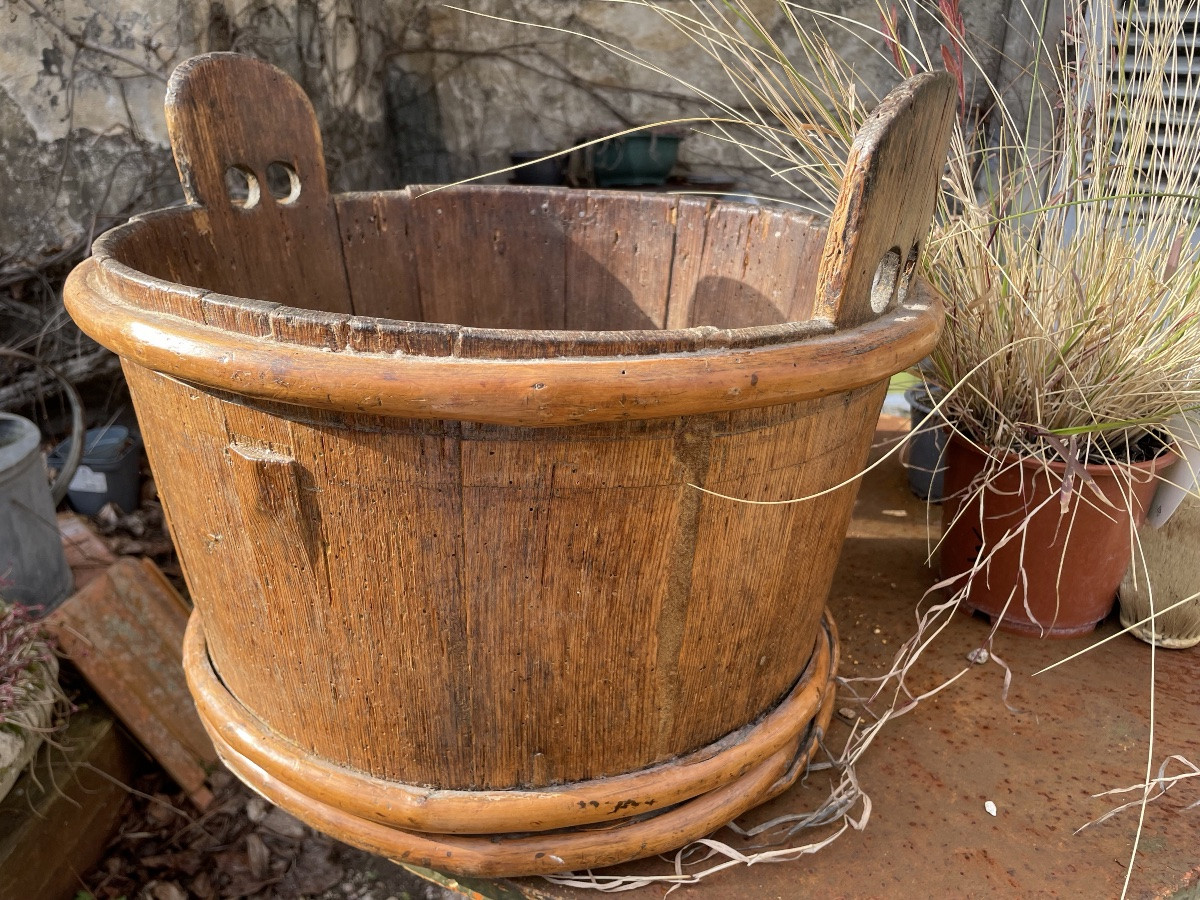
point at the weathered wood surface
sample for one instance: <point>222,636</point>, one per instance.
<point>415,808</point>
<point>562,591</point>
<point>124,632</point>
<point>882,215</point>
<point>470,553</point>
<point>55,823</point>
<point>635,836</point>
<point>592,377</point>
<point>284,249</point>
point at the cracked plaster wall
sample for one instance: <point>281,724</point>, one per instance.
<point>405,91</point>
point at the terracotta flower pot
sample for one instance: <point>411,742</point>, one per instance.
<point>1058,575</point>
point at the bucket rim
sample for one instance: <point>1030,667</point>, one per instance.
<point>330,361</point>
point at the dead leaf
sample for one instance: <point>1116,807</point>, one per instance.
<point>256,809</point>
<point>259,856</point>
<point>108,517</point>
<point>313,872</point>
<point>240,880</point>
<point>284,824</point>
<point>161,813</point>
<point>185,861</point>
<point>202,886</point>
<point>165,890</point>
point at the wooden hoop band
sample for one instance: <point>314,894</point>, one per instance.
<point>238,733</point>
<point>568,390</point>
<point>558,851</point>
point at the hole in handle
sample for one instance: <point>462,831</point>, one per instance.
<point>883,285</point>
<point>241,186</point>
<point>283,182</point>
<point>907,273</point>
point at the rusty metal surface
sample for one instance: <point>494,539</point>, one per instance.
<point>1078,730</point>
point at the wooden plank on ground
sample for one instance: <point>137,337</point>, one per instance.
<point>87,555</point>
<point>58,818</point>
<point>124,632</point>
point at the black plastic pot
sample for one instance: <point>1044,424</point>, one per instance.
<point>546,172</point>
<point>927,446</point>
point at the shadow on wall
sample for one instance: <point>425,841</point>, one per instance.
<point>416,146</point>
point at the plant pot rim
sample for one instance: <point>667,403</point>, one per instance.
<point>1058,466</point>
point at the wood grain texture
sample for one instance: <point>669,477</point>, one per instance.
<point>468,555</point>
<point>229,111</point>
<point>380,256</point>
<point>756,268</point>
<point>124,631</point>
<point>637,835</point>
<point>617,262</point>
<point>586,802</point>
<point>489,257</point>
<point>886,201</point>
<point>773,364</point>
<point>517,580</point>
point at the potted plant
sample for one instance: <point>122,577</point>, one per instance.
<point>1063,248</point>
<point>1071,280</point>
<point>926,458</point>
<point>640,158</point>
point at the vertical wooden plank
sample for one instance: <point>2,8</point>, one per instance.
<point>491,258</point>
<point>749,269</point>
<point>381,266</point>
<point>390,508</point>
<point>878,226</point>
<point>286,546</point>
<point>691,227</point>
<point>752,561</point>
<point>224,112</point>
<point>802,239</point>
<point>225,554</point>
<point>505,534</point>
<point>565,590</point>
<point>618,262</point>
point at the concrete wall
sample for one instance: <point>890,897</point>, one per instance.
<point>406,91</point>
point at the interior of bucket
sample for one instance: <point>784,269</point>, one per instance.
<point>533,259</point>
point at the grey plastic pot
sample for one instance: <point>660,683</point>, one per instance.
<point>33,570</point>
<point>108,470</point>
<point>927,446</point>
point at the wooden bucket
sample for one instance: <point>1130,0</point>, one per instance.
<point>459,598</point>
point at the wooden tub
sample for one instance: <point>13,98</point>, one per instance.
<point>436,466</point>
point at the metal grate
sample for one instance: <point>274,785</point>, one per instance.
<point>1175,79</point>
